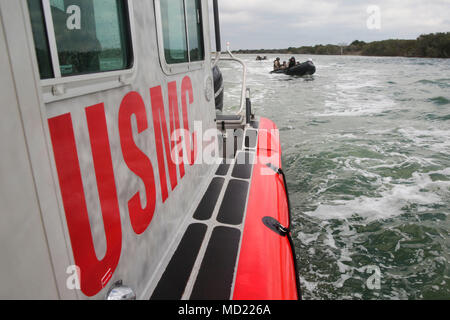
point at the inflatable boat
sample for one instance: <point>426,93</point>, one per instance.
<point>302,69</point>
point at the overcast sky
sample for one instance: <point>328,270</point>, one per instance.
<point>256,24</point>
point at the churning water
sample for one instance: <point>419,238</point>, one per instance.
<point>366,149</point>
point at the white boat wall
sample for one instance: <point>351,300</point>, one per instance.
<point>93,205</point>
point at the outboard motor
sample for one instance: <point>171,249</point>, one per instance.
<point>218,88</point>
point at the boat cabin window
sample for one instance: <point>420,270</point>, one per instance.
<point>88,36</point>
<point>195,30</point>
<point>174,31</point>
<point>182,29</point>
<point>40,39</point>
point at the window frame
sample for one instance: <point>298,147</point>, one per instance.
<point>60,88</point>
<point>184,67</point>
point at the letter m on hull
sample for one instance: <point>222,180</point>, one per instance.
<point>166,141</point>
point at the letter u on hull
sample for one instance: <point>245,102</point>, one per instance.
<point>95,273</point>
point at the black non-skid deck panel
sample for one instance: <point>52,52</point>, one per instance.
<point>251,137</point>
<point>255,124</point>
<point>174,280</point>
<point>206,207</point>
<point>243,167</point>
<point>215,278</point>
<point>233,204</point>
<point>223,169</point>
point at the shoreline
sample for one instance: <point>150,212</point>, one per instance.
<point>318,54</point>
<point>434,45</point>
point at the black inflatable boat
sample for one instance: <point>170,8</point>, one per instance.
<point>302,69</point>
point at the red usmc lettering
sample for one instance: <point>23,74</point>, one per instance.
<point>94,273</point>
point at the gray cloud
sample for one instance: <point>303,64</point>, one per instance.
<point>254,24</point>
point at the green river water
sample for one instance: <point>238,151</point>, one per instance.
<point>366,150</point>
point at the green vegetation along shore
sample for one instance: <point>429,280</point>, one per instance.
<point>434,45</point>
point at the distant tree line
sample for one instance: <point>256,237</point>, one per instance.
<point>434,45</point>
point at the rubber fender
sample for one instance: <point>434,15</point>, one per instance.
<point>218,88</point>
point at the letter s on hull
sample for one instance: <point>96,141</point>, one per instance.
<point>137,161</point>
<point>93,271</point>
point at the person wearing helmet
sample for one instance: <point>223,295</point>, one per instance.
<point>292,62</point>
<point>276,64</point>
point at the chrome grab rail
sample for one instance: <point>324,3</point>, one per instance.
<point>216,59</point>
<point>244,75</point>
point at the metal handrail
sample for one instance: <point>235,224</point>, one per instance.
<point>244,75</point>
<point>232,57</point>
<point>216,59</point>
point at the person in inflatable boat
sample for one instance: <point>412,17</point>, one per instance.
<point>276,64</point>
<point>292,62</point>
